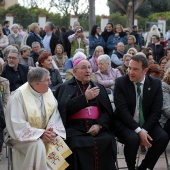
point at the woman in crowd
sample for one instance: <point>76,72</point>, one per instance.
<point>118,36</point>
<point>60,58</point>
<point>106,34</point>
<point>155,70</point>
<point>148,36</point>
<point>162,62</point>
<point>131,43</point>
<point>45,61</point>
<point>95,39</point>
<point>3,42</point>
<point>34,35</point>
<point>165,117</point>
<point>158,50</point>
<point>124,67</point>
<point>132,51</point>
<point>15,37</point>
<point>106,75</point>
<point>78,40</point>
<point>93,61</point>
<point>25,53</point>
<point>118,29</point>
<point>150,59</point>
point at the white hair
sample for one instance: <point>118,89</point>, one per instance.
<point>104,57</point>
<point>14,25</point>
<point>79,55</point>
<point>141,53</point>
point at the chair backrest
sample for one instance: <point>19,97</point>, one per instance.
<point>111,97</point>
<point>63,76</point>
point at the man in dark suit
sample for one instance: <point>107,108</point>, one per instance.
<point>5,28</point>
<point>138,100</point>
<point>13,71</point>
<point>50,39</point>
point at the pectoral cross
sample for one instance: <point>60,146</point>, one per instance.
<point>88,108</point>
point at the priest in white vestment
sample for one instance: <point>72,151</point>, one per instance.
<point>33,122</point>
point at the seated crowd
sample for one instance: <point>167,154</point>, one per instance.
<point>41,108</point>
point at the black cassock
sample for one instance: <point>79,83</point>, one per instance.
<point>89,152</point>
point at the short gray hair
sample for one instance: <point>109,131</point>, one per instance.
<point>104,57</point>
<point>50,25</point>
<point>36,74</point>
<point>35,42</point>
<point>7,50</point>
<point>14,50</point>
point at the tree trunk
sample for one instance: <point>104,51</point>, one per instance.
<point>92,16</point>
<point>129,12</point>
<point>128,9</point>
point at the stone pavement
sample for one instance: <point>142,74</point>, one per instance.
<point>161,164</point>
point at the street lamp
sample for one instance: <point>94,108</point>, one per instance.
<point>133,12</point>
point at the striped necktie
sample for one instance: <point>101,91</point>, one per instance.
<point>141,117</point>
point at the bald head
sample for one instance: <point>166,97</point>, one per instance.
<point>120,47</point>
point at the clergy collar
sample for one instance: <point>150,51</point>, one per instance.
<point>78,81</point>
<point>34,92</point>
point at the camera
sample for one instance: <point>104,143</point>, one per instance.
<point>79,31</point>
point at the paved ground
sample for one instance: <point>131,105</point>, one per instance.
<point>161,164</point>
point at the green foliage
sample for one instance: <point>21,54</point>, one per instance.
<point>117,18</point>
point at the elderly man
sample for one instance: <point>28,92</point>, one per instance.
<point>86,113</point>
<point>35,51</point>
<point>138,99</point>
<point>33,123</point>
<point>50,40</point>
<point>13,71</point>
<point>117,55</point>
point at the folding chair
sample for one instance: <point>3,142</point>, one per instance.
<point>10,165</point>
<point>166,159</point>
<point>111,97</point>
<point>117,160</point>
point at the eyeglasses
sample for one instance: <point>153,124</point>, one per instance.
<point>12,58</point>
<point>85,68</point>
<point>48,80</point>
<point>127,60</point>
<point>132,53</point>
<point>163,62</point>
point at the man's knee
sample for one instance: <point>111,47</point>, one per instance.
<point>39,145</point>
<point>133,139</point>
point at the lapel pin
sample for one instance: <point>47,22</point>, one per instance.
<point>149,88</point>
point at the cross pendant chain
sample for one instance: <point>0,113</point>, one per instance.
<point>88,108</point>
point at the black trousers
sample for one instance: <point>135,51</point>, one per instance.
<point>167,127</point>
<point>131,141</point>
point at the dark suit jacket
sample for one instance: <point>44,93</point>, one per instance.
<point>65,92</point>
<point>125,101</point>
<point>53,42</point>
<point>34,38</point>
<point>67,44</point>
<point>10,74</point>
